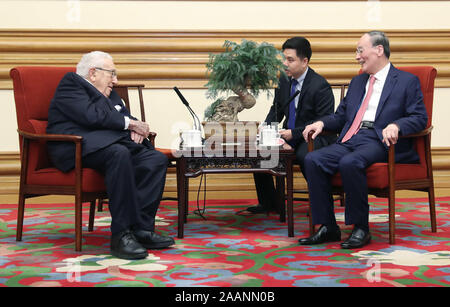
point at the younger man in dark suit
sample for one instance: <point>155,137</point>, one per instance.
<point>115,144</point>
<point>314,101</point>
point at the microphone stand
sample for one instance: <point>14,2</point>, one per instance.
<point>197,124</point>
<point>293,96</point>
<point>287,102</point>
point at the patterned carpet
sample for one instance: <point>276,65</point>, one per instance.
<point>227,250</point>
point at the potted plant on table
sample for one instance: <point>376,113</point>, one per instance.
<point>244,70</point>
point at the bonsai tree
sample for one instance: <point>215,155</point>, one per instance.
<point>243,69</point>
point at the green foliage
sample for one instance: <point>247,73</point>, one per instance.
<point>244,66</point>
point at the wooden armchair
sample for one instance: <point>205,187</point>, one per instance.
<point>34,88</point>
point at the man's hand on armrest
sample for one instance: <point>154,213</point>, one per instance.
<point>315,127</point>
<point>390,134</point>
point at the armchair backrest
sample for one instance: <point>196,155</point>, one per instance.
<point>123,91</point>
<point>34,87</point>
<point>426,75</point>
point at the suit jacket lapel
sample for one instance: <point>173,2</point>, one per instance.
<point>305,87</point>
<point>389,85</point>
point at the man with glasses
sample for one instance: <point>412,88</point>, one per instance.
<point>381,104</point>
<point>114,143</point>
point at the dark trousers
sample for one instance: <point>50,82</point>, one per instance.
<point>350,159</point>
<point>265,188</point>
<point>134,177</point>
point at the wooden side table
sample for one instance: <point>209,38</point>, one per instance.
<point>194,161</point>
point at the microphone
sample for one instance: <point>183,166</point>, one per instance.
<point>293,96</point>
<point>197,125</point>
<point>288,101</point>
<point>183,100</point>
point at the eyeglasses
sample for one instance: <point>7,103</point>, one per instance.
<point>360,50</point>
<point>113,72</point>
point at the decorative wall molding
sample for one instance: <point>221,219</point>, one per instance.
<point>264,0</point>
<point>162,59</point>
<point>241,185</point>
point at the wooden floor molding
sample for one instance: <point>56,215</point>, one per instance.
<point>223,186</point>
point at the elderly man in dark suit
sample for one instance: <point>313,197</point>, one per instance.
<point>381,104</point>
<point>114,143</point>
<point>315,99</point>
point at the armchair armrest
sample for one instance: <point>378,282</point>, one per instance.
<point>66,137</point>
<point>51,137</point>
<point>418,134</point>
<point>424,132</point>
<point>60,138</point>
<point>310,141</point>
<point>152,137</point>
<point>391,155</point>
<point>27,136</point>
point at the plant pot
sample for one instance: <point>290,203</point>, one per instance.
<point>231,132</point>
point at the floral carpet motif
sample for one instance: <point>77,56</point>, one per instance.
<point>227,249</point>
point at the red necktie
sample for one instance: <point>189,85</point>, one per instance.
<point>354,128</point>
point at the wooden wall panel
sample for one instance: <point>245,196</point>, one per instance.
<point>228,185</point>
<point>161,59</point>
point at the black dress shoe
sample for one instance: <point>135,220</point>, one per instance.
<point>152,240</point>
<point>125,246</point>
<point>357,239</point>
<point>324,234</point>
<point>260,209</point>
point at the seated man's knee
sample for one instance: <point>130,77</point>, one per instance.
<point>163,160</point>
<point>300,159</point>
<point>311,158</point>
<point>349,162</point>
<point>119,152</point>
<point>158,159</point>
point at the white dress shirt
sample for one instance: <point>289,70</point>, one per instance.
<point>380,79</point>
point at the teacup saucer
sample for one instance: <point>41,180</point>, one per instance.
<point>278,142</point>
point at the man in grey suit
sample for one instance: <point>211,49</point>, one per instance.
<point>115,144</point>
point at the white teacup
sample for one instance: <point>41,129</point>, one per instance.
<point>191,138</point>
<point>269,137</point>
